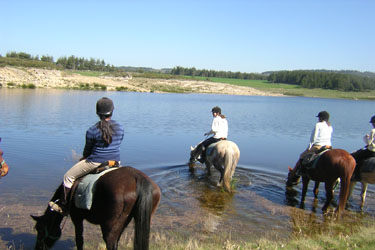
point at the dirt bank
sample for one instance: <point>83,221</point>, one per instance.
<point>44,78</point>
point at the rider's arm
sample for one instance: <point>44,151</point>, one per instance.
<point>90,142</point>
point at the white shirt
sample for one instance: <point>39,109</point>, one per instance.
<point>370,140</point>
<point>321,134</point>
<point>219,127</point>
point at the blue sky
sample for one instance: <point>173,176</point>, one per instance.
<point>246,36</point>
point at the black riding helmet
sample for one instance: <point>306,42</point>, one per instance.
<point>104,106</point>
<point>372,119</point>
<point>216,109</point>
<point>324,115</point>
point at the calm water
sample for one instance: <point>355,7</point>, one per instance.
<point>43,135</point>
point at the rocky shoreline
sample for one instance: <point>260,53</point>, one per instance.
<point>13,77</point>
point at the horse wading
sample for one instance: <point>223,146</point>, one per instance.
<point>333,164</point>
<point>120,196</point>
<point>224,156</point>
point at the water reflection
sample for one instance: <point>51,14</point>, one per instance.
<point>44,127</point>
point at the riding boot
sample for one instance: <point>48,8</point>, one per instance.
<point>61,205</point>
<point>202,157</point>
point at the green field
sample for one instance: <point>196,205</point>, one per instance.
<point>292,90</point>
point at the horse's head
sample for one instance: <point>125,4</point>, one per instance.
<point>293,178</point>
<point>3,166</point>
<point>193,156</point>
<point>48,229</point>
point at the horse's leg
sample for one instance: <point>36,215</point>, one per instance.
<point>351,188</point>
<point>363,193</point>
<point>316,189</point>
<point>329,194</point>
<point>208,167</point>
<point>221,170</point>
<point>305,184</point>
<point>112,230</point>
<point>78,227</point>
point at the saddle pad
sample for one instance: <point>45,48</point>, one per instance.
<point>368,165</point>
<point>310,160</point>
<point>84,192</point>
<point>211,147</point>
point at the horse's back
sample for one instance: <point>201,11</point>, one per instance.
<point>226,145</point>
<point>335,163</point>
<point>124,176</point>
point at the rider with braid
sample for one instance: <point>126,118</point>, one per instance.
<point>103,141</point>
<point>219,130</point>
<point>320,137</point>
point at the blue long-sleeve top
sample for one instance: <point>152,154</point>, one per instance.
<point>96,149</point>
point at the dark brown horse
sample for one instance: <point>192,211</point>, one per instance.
<point>333,164</point>
<point>120,195</point>
<point>3,166</point>
<point>366,176</point>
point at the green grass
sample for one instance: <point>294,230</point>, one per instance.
<point>89,73</point>
<point>292,90</point>
<point>334,236</point>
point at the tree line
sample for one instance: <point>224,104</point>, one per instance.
<point>213,73</point>
<point>325,80</point>
<point>71,62</point>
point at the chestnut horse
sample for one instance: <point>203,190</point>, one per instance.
<point>224,155</point>
<point>366,176</point>
<point>3,166</point>
<point>119,196</point>
<point>333,164</point>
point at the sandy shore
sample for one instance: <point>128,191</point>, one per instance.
<point>44,78</point>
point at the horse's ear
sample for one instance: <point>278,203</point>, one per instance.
<point>191,148</point>
<point>36,218</point>
<point>290,169</point>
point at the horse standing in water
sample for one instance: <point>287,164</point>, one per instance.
<point>333,164</point>
<point>224,156</point>
<point>4,169</point>
<point>120,195</point>
<point>366,176</point>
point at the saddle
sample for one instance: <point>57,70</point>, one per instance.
<point>84,187</point>
<point>310,160</point>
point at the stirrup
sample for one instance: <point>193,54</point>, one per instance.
<point>60,208</point>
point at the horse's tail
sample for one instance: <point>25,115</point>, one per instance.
<point>230,163</point>
<point>142,214</point>
<point>349,164</point>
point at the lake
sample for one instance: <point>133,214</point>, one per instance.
<point>43,135</point>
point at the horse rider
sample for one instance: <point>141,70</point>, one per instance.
<point>364,153</point>
<point>320,137</point>
<point>219,130</point>
<point>103,141</point>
